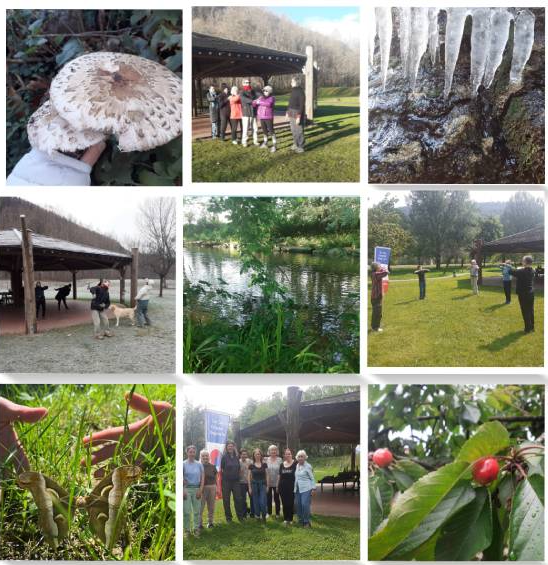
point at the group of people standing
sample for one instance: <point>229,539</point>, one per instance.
<point>259,487</point>
<point>247,107</point>
<point>525,288</point>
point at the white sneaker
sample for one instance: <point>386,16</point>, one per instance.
<point>234,143</point>
<point>267,516</point>
<point>244,144</point>
<point>264,146</point>
<point>273,149</point>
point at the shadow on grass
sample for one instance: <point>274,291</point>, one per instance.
<point>406,302</point>
<point>330,110</point>
<point>495,307</point>
<point>502,342</point>
<point>464,296</point>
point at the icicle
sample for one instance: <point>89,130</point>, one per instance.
<point>384,28</point>
<point>418,42</point>
<point>404,33</point>
<point>433,34</point>
<point>524,36</point>
<point>481,28</point>
<point>500,27</point>
<point>372,35</point>
<point>453,36</point>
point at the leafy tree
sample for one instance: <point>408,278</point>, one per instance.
<point>490,228</point>
<point>522,212</point>
<point>443,222</point>
<point>432,495</point>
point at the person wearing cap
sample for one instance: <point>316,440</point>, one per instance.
<point>296,114</point>
<point>525,289</point>
<point>249,118</point>
<point>224,110</point>
<point>99,307</point>
<point>214,115</point>
<point>474,274</point>
<point>377,274</point>
<point>507,269</point>
<point>235,113</point>
<point>142,299</point>
<point>265,114</point>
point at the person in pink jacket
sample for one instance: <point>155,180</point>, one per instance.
<point>235,113</point>
<point>265,114</point>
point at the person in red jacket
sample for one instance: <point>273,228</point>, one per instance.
<point>377,274</point>
<point>235,113</point>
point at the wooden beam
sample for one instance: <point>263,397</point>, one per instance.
<point>134,275</point>
<point>309,83</point>
<point>122,271</point>
<point>28,277</point>
<point>293,425</point>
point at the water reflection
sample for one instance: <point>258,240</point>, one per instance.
<point>323,287</point>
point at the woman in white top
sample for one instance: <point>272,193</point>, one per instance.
<point>474,274</point>
<point>273,462</point>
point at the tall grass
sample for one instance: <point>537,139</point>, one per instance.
<point>54,447</point>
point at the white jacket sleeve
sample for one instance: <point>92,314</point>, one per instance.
<point>37,168</point>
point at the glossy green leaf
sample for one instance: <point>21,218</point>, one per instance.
<point>490,438</point>
<point>495,552</point>
<point>527,524</point>
<point>426,552</point>
<point>469,531</point>
<point>375,506</point>
<point>386,491</point>
<point>403,480</point>
<point>537,482</point>
<point>459,497</point>
<point>413,506</point>
<point>410,468</point>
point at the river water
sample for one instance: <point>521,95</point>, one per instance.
<point>323,287</point>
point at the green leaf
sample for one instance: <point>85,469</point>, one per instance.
<point>375,506</point>
<point>414,470</point>
<point>490,438</point>
<point>386,492</point>
<point>151,179</point>
<point>403,480</point>
<point>534,458</point>
<point>526,525</point>
<point>413,506</point>
<point>468,531</point>
<point>537,482</point>
<point>459,497</point>
<point>71,49</point>
<point>495,552</point>
<point>427,551</point>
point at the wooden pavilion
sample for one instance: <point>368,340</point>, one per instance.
<point>23,252</point>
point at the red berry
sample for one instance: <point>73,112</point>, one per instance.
<point>485,470</point>
<point>382,457</point>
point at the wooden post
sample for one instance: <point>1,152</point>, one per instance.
<point>236,433</point>
<point>28,277</point>
<point>293,423</point>
<point>194,99</point>
<point>353,458</point>
<point>74,291</point>
<point>309,83</point>
<point>122,271</point>
<point>134,274</point>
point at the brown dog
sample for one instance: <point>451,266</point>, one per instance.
<point>122,312</point>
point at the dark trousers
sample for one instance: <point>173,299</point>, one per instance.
<point>422,289</point>
<point>244,489</point>
<point>41,304</point>
<point>527,305</point>
<point>288,503</point>
<point>232,487</point>
<point>507,290</point>
<point>297,131</point>
<point>224,123</point>
<point>267,127</point>
<point>234,129</point>
<point>64,301</point>
<point>273,493</point>
<point>376,313</point>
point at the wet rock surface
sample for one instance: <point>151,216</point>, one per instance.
<point>497,137</point>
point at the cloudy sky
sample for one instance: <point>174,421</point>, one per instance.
<point>375,196</point>
<point>341,23</point>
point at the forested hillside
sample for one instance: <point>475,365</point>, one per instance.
<point>338,62</point>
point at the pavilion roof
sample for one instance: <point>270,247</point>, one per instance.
<point>522,242</point>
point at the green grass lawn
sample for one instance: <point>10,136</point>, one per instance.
<point>329,538</point>
<point>332,150</point>
<point>454,328</point>
<point>54,447</point>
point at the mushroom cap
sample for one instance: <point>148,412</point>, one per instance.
<point>137,100</point>
<point>49,132</point>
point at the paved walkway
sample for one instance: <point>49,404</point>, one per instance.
<point>201,126</point>
<point>342,503</point>
<point>12,320</point>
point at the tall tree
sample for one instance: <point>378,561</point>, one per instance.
<point>443,222</point>
<point>157,223</point>
<point>522,212</point>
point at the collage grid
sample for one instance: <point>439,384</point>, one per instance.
<point>209,390</point>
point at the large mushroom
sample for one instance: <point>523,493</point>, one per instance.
<point>49,132</point>
<point>137,100</point>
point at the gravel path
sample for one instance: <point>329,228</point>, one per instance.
<point>73,350</point>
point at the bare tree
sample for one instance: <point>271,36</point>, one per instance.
<point>157,223</point>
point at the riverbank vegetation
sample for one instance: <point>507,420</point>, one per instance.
<point>260,323</point>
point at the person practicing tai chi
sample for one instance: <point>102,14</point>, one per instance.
<point>525,289</point>
<point>40,297</point>
<point>421,273</point>
<point>474,274</point>
<point>507,269</point>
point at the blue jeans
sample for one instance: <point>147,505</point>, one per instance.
<point>302,503</point>
<point>142,313</point>
<point>258,498</point>
<point>214,130</point>
<point>422,289</point>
